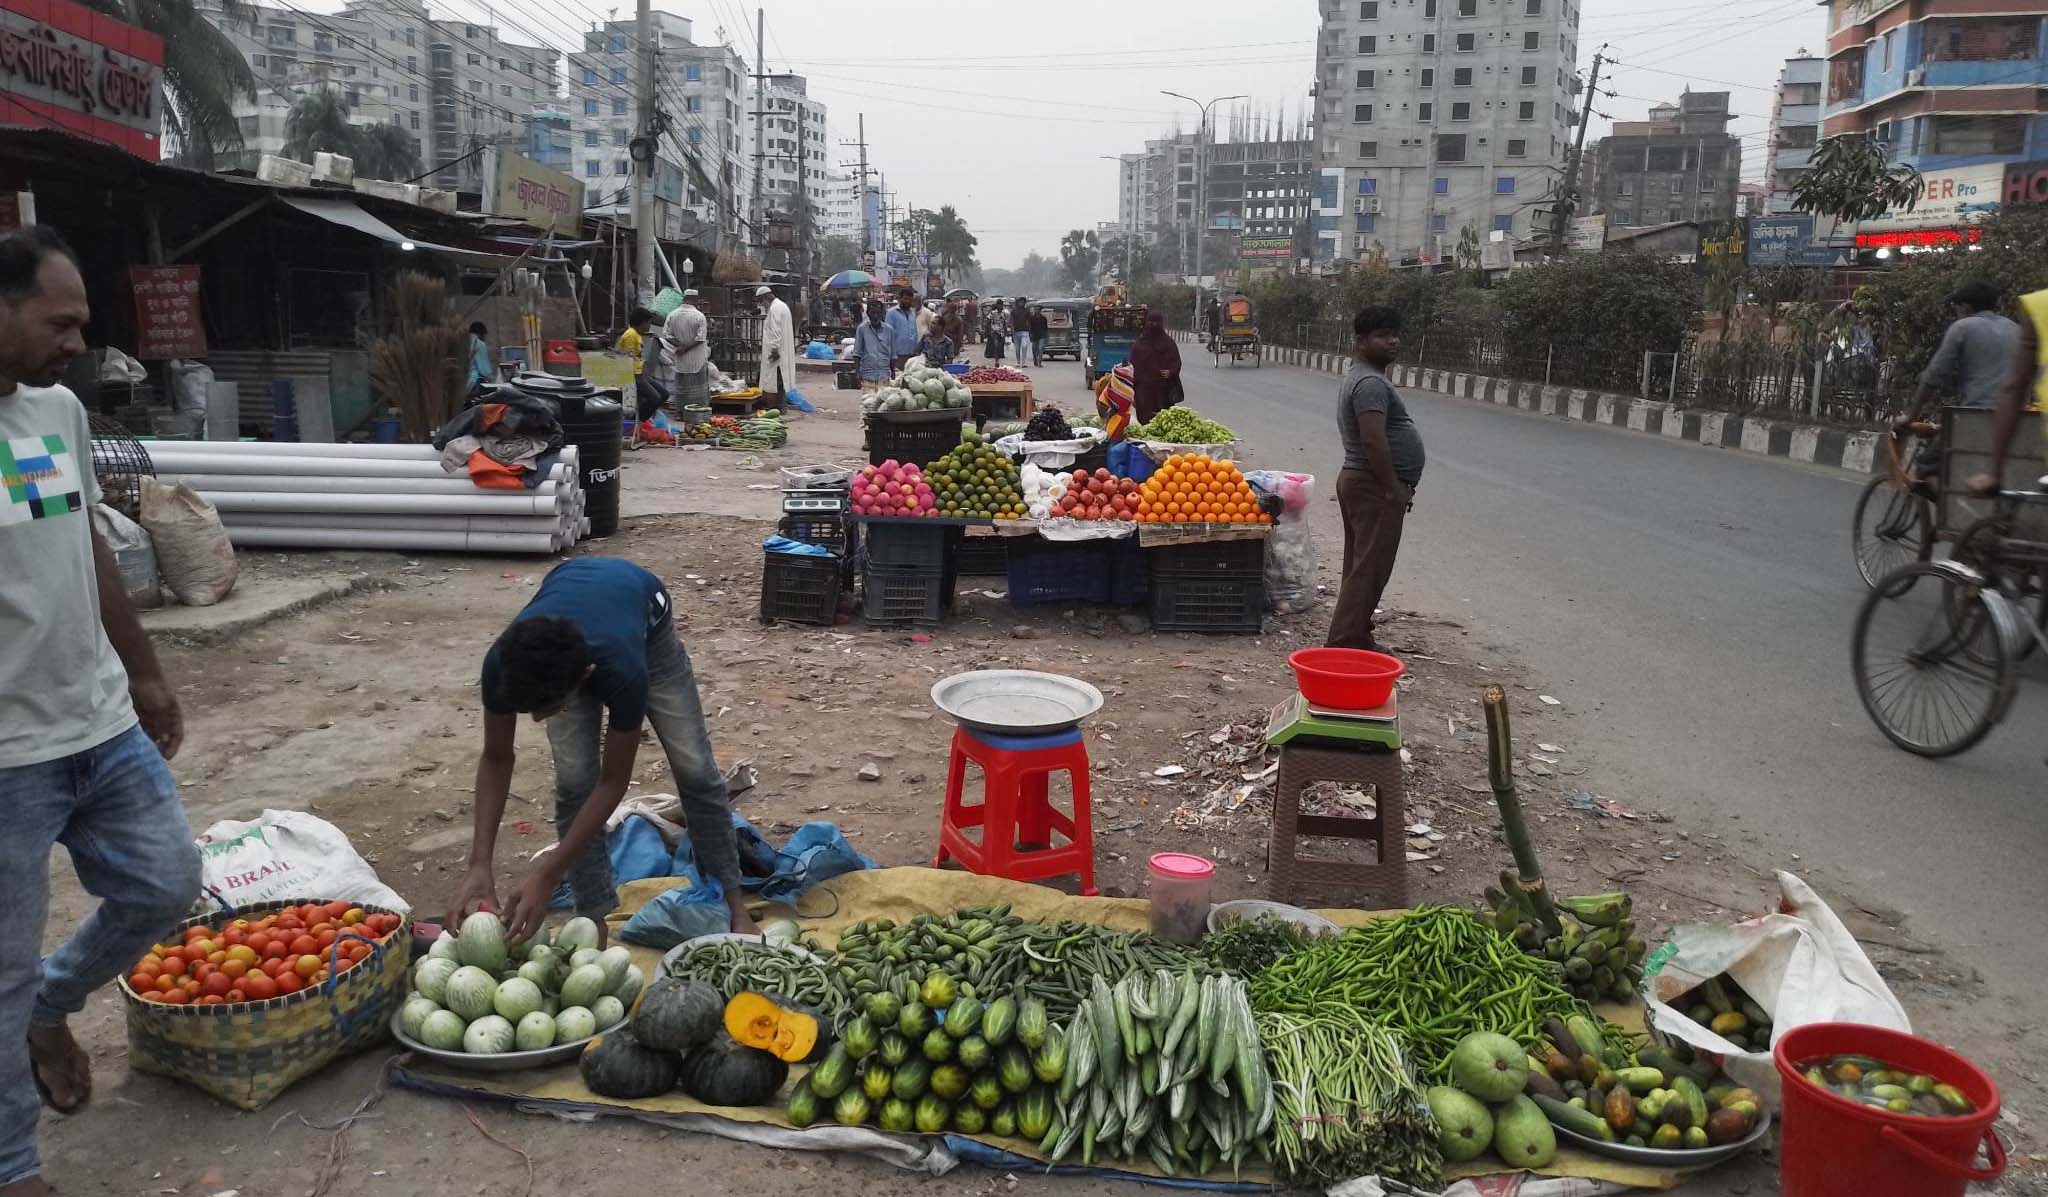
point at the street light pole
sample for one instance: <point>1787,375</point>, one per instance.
<point>1201,183</point>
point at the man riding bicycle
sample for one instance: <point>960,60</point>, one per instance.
<point>1973,361</point>
<point>2024,387</point>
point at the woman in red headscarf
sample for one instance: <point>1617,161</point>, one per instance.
<point>1155,370</point>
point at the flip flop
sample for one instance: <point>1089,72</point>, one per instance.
<point>35,1072</point>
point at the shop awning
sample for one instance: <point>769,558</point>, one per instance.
<point>347,215</point>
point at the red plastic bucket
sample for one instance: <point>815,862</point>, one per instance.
<point>1833,1147</point>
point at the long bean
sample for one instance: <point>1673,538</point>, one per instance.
<point>1431,975</point>
<point>1347,1104</point>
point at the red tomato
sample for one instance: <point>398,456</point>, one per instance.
<point>276,949</point>
<point>289,982</point>
<point>216,984</point>
<point>151,995</point>
<point>259,988</point>
<point>304,945</point>
<point>236,995</point>
<point>174,966</point>
<point>235,970</point>
<point>323,940</point>
<point>166,983</point>
<point>257,941</point>
<point>336,909</point>
<point>202,970</point>
<point>141,984</point>
<point>216,957</point>
<point>307,966</point>
<point>211,999</point>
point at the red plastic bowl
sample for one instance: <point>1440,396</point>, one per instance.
<point>1347,679</point>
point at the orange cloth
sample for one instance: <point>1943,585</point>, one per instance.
<point>488,471</point>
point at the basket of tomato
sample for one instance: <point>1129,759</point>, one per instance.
<point>243,1005</point>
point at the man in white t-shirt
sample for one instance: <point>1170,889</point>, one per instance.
<point>86,717</point>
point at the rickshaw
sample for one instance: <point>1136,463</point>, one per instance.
<point>1064,322</point>
<point>1237,334</point>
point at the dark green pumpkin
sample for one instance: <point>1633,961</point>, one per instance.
<point>675,1015</point>
<point>618,1065</point>
<point>725,1072</point>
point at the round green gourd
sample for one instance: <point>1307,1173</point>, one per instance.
<point>481,941</point>
<point>413,1013</point>
<point>490,1035</point>
<point>724,1072</point>
<point>534,1032</point>
<point>609,1012</point>
<point>442,1030</point>
<point>573,1023</point>
<point>583,986</point>
<point>515,999</point>
<point>678,1016</point>
<point>470,992</point>
<point>430,977</point>
<point>618,1065</point>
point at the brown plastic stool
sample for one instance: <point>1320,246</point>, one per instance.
<point>1375,768</point>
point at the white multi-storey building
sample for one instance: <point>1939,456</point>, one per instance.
<point>1795,127</point>
<point>840,216</point>
<point>1435,116</point>
<point>793,146</point>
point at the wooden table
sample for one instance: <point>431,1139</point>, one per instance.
<point>988,395</point>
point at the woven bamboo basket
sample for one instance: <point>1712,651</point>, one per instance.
<point>247,1053</point>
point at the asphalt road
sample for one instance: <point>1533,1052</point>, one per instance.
<point>1692,608</point>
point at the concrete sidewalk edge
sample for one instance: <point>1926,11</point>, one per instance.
<point>1813,444</point>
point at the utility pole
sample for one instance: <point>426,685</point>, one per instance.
<point>867,237</point>
<point>645,228</point>
<point>803,202</point>
<point>1568,192</point>
<point>760,133</point>
<point>1201,183</point>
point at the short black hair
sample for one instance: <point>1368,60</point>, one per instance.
<point>477,327</point>
<point>1976,295</point>
<point>22,254</point>
<point>541,660</point>
<point>638,314</point>
<point>1374,318</point>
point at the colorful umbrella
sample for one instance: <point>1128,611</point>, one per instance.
<point>850,280</point>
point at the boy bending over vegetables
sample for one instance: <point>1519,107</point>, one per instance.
<point>598,638</point>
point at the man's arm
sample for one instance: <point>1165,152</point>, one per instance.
<point>493,786</point>
<point>1372,439</point>
<point>2012,400</point>
<point>155,705</point>
<point>529,906</point>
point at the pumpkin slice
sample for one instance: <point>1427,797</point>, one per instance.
<point>788,1030</point>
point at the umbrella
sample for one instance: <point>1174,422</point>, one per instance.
<point>850,280</point>
<point>961,293</point>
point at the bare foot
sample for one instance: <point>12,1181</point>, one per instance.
<point>63,1072</point>
<point>34,1186</point>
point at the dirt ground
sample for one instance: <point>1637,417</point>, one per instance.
<point>364,711</point>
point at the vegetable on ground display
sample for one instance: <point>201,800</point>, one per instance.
<point>533,1000</point>
<point>255,960</point>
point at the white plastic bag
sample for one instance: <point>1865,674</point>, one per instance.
<point>1798,962</point>
<point>285,855</point>
<point>133,554</point>
<point>192,546</point>
<point>1291,550</point>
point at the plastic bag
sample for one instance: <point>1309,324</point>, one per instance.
<point>1291,549</point>
<point>285,854</point>
<point>192,547</point>
<point>191,384</point>
<point>1798,962</point>
<point>815,852</point>
<point>133,554</point>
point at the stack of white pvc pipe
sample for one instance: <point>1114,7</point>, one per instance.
<point>371,497</point>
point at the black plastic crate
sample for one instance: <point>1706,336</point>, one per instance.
<point>1048,572</point>
<point>983,556</point>
<point>898,594</point>
<point>905,441</point>
<point>1207,604</point>
<point>1235,558</point>
<point>1130,581</point>
<point>826,531</point>
<point>800,588</point>
<point>1093,460</point>
<point>922,545</point>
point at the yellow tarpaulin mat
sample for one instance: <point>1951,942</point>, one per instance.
<point>901,894</point>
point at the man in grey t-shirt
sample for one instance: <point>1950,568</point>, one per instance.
<point>1383,461</point>
<point>1972,361</point>
<point>86,717</point>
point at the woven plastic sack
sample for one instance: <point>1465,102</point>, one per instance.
<point>192,548</point>
<point>285,854</point>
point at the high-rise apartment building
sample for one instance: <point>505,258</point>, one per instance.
<point>1795,127</point>
<point>1442,116</point>
<point>794,158</point>
<point>1680,164</point>
<point>1945,84</point>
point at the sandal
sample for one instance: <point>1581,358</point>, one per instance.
<point>75,1056</point>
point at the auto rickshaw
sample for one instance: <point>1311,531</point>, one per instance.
<point>1064,322</point>
<point>1237,334</point>
<point>1111,333</point>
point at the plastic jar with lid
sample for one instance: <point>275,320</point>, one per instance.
<point>1182,884</point>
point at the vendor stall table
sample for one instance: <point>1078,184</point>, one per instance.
<point>1001,401</point>
<point>1359,749</point>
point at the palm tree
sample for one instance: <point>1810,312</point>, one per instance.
<point>386,152</point>
<point>204,74</point>
<point>951,244</point>
<point>318,121</point>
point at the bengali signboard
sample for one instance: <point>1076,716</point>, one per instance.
<point>167,322</point>
<point>66,67</point>
<point>538,195</point>
<point>1266,247</point>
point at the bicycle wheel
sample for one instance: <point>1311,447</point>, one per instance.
<point>1933,654</point>
<point>1891,528</point>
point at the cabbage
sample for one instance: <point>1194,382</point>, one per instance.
<point>443,947</point>
<point>573,1023</point>
<point>481,941</point>
<point>488,1036</point>
<point>933,389</point>
<point>629,988</point>
<point>614,961</point>
<point>413,1013</point>
<point>608,1011</point>
<point>430,978</point>
<point>516,999</point>
<point>442,1030</point>
<point>583,986</point>
<point>535,1031</point>
<point>470,992</point>
<point>577,933</point>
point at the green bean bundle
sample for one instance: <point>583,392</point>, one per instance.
<point>1348,1105</point>
<point>1431,975</point>
<point>733,965</point>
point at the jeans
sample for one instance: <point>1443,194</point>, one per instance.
<point>576,734</point>
<point>1022,341</point>
<point>1037,351</point>
<point>116,810</point>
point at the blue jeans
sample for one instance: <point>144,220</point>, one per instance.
<point>116,810</point>
<point>1022,341</point>
<point>576,734</point>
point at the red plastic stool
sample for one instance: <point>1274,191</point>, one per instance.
<point>1016,808</point>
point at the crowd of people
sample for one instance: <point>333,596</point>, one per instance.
<point>939,333</point>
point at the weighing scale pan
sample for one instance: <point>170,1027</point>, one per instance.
<point>1016,702</point>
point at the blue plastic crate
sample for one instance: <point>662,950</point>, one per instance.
<point>1130,580</point>
<point>1045,573</point>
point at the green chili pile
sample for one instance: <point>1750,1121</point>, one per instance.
<point>1432,976</point>
<point>1347,1105</point>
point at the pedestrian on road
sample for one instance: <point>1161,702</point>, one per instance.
<point>597,639</point>
<point>87,719</point>
<point>904,327</point>
<point>688,339</point>
<point>993,334</point>
<point>778,349</point>
<point>874,347</point>
<point>480,371</point>
<point>1382,466</point>
<point>1020,328</point>
<point>1039,328</point>
<point>1155,370</point>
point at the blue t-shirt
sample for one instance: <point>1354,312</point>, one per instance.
<point>903,330</point>
<point>598,595</point>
